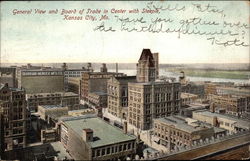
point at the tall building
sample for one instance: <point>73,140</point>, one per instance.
<point>149,98</point>
<point>13,105</point>
<point>118,95</point>
<point>74,73</point>
<point>41,80</point>
<point>8,75</point>
<point>96,81</point>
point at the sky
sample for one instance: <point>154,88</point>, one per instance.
<point>47,38</point>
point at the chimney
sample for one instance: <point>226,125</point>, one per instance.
<point>104,69</point>
<point>87,135</point>
<point>116,67</point>
<point>125,127</point>
<point>156,62</point>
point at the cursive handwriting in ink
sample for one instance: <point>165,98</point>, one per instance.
<point>235,42</point>
<point>102,27</point>
<point>208,8</point>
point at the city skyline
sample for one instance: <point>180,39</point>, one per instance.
<point>47,38</point>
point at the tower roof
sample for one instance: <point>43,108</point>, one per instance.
<point>146,55</point>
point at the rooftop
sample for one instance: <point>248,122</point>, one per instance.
<point>52,106</point>
<point>106,133</point>
<point>239,122</point>
<point>180,123</point>
<point>99,93</point>
<point>65,94</point>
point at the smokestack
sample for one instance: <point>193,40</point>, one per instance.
<point>116,67</point>
<point>156,60</point>
<point>125,127</point>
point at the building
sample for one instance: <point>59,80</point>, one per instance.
<point>8,75</point>
<point>45,111</point>
<point>230,104</point>
<point>13,106</point>
<point>118,95</point>
<point>197,88</point>
<point>69,99</point>
<point>81,112</point>
<point>232,124</point>
<point>91,138</point>
<point>96,81</point>
<point>188,109</point>
<point>176,131</point>
<point>149,98</point>
<point>74,73</point>
<point>41,80</point>
<point>74,85</point>
<point>187,98</point>
<point>98,99</point>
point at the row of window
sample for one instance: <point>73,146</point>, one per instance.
<point>112,150</point>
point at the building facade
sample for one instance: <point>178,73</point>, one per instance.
<point>230,104</point>
<point>188,98</point>
<point>96,82</point>
<point>176,131</point>
<point>41,80</point>
<point>59,98</point>
<point>98,99</point>
<point>233,125</point>
<point>13,106</point>
<point>118,95</point>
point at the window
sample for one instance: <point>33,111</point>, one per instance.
<point>98,152</point>
<point>103,151</point>
<point>108,150</point>
<point>120,148</point>
<point>129,146</point>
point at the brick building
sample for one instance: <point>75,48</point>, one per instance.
<point>176,131</point>
<point>96,81</point>
<point>118,95</point>
<point>13,107</point>
<point>230,104</point>
<point>148,98</point>
<point>59,98</point>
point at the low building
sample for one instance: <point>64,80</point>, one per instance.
<point>188,109</point>
<point>46,110</point>
<point>69,99</point>
<point>176,131</point>
<point>48,135</point>
<point>187,98</point>
<point>232,124</point>
<point>98,99</point>
<point>91,138</point>
<point>81,112</point>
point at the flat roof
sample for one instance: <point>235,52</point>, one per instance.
<point>55,94</point>
<point>52,106</point>
<point>239,122</point>
<point>106,133</point>
<point>180,123</point>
